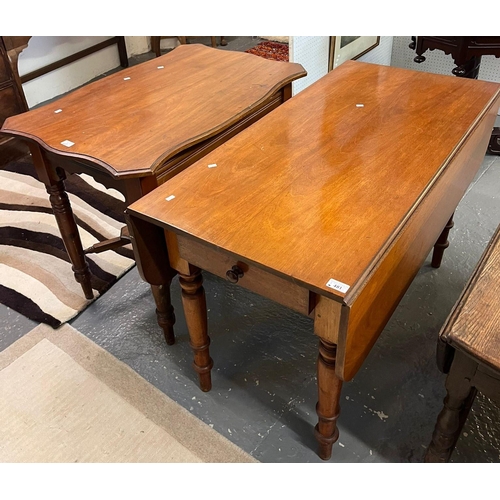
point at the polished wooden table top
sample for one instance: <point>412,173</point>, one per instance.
<point>130,122</point>
<point>318,189</point>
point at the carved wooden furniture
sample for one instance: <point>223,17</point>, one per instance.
<point>137,128</point>
<point>466,52</point>
<point>155,42</point>
<point>470,343</point>
<point>329,205</point>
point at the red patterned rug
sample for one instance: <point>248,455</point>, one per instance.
<point>270,50</point>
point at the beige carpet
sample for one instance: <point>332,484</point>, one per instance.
<point>65,399</point>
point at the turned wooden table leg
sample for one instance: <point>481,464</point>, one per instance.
<point>164,311</point>
<point>195,310</point>
<point>441,244</point>
<point>328,407</point>
<point>457,404</point>
<point>54,183</point>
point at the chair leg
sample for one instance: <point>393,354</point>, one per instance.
<point>214,41</point>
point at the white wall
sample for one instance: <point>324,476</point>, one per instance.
<point>43,50</point>
<point>313,51</point>
<point>381,54</point>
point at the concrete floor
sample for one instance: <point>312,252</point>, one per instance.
<point>264,378</point>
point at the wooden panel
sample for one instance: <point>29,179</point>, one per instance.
<point>4,69</point>
<point>327,314</point>
<point>254,279</point>
<point>171,112</point>
<point>375,301</point>
<point>318,189</point>
<point>9,102</point>
<point>12,99</point>
<point>150,251</point>
<point>475,324</point>
<point>15,42</point>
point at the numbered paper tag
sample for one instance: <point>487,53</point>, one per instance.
<point>337,285</point>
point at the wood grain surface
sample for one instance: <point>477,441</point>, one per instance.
<point>474,326</point>
<point>320,188</point>
<point>378,294</point>
<point>169,95</point>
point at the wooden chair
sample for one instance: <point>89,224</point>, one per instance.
<point>469,351</point>
<point>155,42</point>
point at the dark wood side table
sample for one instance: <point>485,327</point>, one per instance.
<point>329,206</point>
<point>469,351</point>
<point>137,128</point>
<point>466,52</point>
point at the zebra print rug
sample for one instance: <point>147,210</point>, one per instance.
<point>36,279</point>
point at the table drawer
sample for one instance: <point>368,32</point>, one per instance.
<point>255,279</point>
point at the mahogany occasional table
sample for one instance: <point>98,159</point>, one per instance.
<point>137,128</point>
<point>329,205</point>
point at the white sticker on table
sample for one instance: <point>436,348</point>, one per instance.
<point>170,198</point>
<point>338,285</point>
<point>67,143</point>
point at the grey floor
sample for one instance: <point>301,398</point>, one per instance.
<point>264,381</point>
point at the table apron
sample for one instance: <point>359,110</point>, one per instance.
<point>271,286</point>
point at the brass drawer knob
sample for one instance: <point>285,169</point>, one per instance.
<point>234,274</point>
